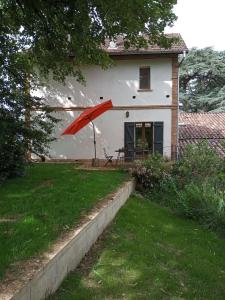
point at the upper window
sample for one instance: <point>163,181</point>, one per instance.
<point>144,78</point>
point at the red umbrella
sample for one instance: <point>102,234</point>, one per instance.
<point>88,115</point>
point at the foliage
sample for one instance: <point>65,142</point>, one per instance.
<point>60,37</point>
<point>56,29</point>
<point>46,202</point>
<point>199,201</point>
<point>193,186</point>
<point>12,150</point>
<point>198,162</point>
<point>21,131</point>
<point>203,203</point>
<point>149,173</point>
<point>202,81</point>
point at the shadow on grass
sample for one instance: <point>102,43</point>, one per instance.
<point>148,253</point>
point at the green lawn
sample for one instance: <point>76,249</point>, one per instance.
<point>51,198</point>
<point>149,253</point>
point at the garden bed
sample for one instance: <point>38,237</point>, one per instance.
<point>149,253</point>
<point>49,200</point>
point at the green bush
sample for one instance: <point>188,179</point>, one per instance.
<point>150,172</point>
<point>198,201</point>
<point>12,149</point>
<point>198,162</point>
<point>22,129</point>
<point>195,187</point>
<point>204,204</point>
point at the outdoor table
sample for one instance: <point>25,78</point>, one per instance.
<point>119,151</point>
<point>137,152</point>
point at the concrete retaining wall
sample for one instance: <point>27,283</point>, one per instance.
<point>66,259</point>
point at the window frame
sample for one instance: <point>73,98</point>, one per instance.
<point>149,83</point>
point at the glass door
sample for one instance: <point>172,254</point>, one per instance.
<point>143,139</point>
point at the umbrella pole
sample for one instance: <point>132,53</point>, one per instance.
<point>94,137</point>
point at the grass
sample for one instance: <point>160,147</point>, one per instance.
<point>51,198</point>
<point>149,253</point>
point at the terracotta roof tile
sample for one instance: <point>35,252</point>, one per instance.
<point>216,145</point>
<point>178,47</point>
<point>202,125</point>
<point>195,127</point>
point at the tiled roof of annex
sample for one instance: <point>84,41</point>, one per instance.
<point>196,127</point>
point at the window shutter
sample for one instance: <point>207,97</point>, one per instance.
<point>129,141</point>
<point>158,137</point>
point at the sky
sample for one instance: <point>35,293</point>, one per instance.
<point>201,23</point>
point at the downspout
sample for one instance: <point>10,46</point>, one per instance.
<point>183,58</point>
<point>178,110</point>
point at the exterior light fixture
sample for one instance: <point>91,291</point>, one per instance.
<point>127,114</point>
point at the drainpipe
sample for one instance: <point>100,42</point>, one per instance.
<point>183,58</point>
<point>178,110</point>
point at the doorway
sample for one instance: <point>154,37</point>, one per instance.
<point>142,139</point>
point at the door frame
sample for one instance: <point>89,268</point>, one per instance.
<point>157,137</point>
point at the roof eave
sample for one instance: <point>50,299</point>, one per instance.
<point>115,53</point>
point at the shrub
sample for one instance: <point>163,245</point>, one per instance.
<point>195,187</point>
<point>12,149</point>
<point>197,201</point>
<point>26,122</point>
<point>150,172</point>
<point>199,161</point>
<point>204,204</point>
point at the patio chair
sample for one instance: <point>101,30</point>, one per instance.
<point>107,157</point>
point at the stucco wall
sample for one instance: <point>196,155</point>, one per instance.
<point>109,133</point>
<point>119,83</point>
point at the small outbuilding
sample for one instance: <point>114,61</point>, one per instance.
<point>197,127</point>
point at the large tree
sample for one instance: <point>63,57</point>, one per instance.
<point>60,36</point>
<point>202,81</point>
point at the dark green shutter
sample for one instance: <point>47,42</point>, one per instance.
<point>129,141</point>
<point>158,137</point>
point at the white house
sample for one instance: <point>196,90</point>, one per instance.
<point>143,87</point>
